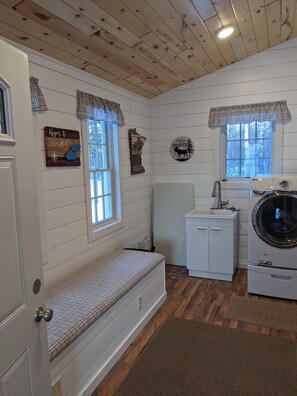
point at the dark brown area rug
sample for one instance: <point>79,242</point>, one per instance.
<point>268,313</point>
<point>190,358</point>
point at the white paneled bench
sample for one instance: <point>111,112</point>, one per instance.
<point>98,312</point>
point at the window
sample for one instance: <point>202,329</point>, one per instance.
<point>248,149</point>
<point>102,178</point>
<point>252,140</point>
<point>2,113</point>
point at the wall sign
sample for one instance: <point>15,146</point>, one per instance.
<point>182,148</point>
<point>62,147</point>
<point>136,144</point>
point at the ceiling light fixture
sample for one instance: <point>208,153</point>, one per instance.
<point>225,32</point>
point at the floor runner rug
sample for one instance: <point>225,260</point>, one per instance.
<point>190,358</point>
<point>266,313</point>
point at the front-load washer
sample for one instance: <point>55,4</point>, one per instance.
<point>272,237</point>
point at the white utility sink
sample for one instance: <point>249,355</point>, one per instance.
<point>212,213</point>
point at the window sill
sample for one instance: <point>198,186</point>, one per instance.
<point>95,233</point>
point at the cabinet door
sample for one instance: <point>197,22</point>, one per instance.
<point>221,250</point>
<point>197,248</point>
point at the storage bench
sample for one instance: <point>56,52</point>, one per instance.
<point>98,312</point>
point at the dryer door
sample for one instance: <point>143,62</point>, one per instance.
<point>275,219</point>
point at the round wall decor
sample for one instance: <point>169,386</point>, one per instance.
<point>182,148</point>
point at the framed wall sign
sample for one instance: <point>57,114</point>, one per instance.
<point>182,148</point>
<point>136,143</point>
<point>62,147</point>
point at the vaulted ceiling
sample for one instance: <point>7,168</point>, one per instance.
<point>148,46</point>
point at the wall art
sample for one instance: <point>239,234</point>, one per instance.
<point>182,148</point>
<point>62,147</point>
<point>136,143</point>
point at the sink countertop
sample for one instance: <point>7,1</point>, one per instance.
<point>212,213</point>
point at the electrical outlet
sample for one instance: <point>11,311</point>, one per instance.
<point>139,303</point>
<point>56,388</point>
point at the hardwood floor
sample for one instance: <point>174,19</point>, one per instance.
<point>202,300</point>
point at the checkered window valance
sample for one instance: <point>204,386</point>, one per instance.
<point>38,103</point>
<point>245,114</point>
<point>95,108</point>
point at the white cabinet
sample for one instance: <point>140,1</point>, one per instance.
<point>212,246</point>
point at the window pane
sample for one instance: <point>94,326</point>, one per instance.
<point>233,150</point>
<point>233,132</point>
<point>248,149</point>
<point>99,132</point>
<point>92,138</point>
<point>263,166</point>
<point>102,157</point>
<point>93,157</point>
<point>266,147</point>
<point>264,130</point>
<point>107,182</point>
<point>2,113</point>
<point>99,183</point>
<point>248,131</point>
<point>248,168</point>
<point>108,207</point>
<point>233,168</point>
<point>93,206</point>
<point>99,209</point>
<point>92,185</point>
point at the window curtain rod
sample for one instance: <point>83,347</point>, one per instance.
<point>245,114</point>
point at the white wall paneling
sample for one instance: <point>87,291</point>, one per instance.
<point>62,190</point>
<point>268,76</point>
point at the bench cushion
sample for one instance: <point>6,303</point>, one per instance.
<point>81,299</point>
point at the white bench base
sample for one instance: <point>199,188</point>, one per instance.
<point>84,363</point>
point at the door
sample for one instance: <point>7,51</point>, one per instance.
<point>197,248</point>
<point>24,366</point>
<point>221,250</point>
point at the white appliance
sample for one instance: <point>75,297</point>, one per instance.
<point>272,237</point>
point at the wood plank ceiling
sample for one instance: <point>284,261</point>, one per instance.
<point>148,46</point>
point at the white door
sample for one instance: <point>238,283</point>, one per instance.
<point>221,250</point>
<point>197,247</point>
<point>24,366</point>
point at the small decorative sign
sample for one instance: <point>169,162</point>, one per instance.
<point>182,148</point>
<point>62,147</point>
<point>136,144</point>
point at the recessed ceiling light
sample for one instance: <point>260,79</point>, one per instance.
<point>225,32</point>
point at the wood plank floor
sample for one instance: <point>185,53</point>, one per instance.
<point>202,300</point>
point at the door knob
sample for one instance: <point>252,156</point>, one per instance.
<point>46,314</point>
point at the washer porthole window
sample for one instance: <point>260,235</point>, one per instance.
<point>274,219</point>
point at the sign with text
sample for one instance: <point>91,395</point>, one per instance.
<point>62,147</point>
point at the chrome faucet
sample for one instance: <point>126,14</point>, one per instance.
<point>220,203</point>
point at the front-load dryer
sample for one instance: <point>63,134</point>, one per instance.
<point>272,237</point>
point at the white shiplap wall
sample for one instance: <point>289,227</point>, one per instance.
<point>268,76</point>
<point>62,191</point>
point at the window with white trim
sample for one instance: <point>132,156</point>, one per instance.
<point>240,163</point>
<point>2,113</point>
<point>248,149</point>
<point>251,142</point>
<point>102,178</point>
